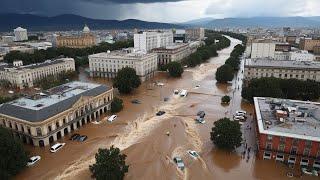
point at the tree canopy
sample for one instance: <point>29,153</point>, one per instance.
<point>126,80</point>
<point>13,157</point>
<point>226,134</point>
<point>224,73</point>
<point>225,99</point>
<point>175,69</point>
<point>116,105</point>
<point>110,165</point>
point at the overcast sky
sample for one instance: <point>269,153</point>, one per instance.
<point>163,10</point>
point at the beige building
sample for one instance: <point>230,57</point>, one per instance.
<point>46,117</point>
<point>108,64</point>
<point>172,53</point>
<point>303,70</point>
<point>86,39</point>
<point>195,34</point>
<point>25,76</point>
<point>308,44</point>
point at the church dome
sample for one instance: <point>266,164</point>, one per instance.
<point>86,29</point>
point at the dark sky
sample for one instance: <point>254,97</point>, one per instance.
<point>163,10</point>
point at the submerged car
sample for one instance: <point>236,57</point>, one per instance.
<point>160,113</point>
<point>135,101</point>
<point>179,162</point>
<point>112,118</point>
<point>74,137</point>
<point>33,160</point>
<point>56,147</point>
<point>193,154</point>
<point>82,138</point>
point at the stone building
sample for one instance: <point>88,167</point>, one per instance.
<point>86,39</point>
<point>48,116</point>
<point>172,53</point>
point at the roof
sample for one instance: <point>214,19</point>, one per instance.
<point>54,101</point>
<point>270,63</point>
<point>301,120</point>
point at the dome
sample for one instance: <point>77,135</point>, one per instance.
<point>86,29</point>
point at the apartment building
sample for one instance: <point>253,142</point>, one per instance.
<point>25,76</point>
<point>288,131</point>
<point>146,41</point>
<point>172,53</point>
<point>195,34</point>
<point>108,64</point>
<point>48,116</point>
<point>303,70</point>
<point>20,34</point>
<point>308,44</point>
<point>263,50</point>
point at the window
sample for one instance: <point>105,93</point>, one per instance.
<point>295,141</point>
<point>282,139</point>
<point>39,133</point>
<point>269,146</point>
<point>49,128</point>
<point>308,143</point>
<point>306,152</point>
<point>281,147</point>
<point>294,150</point>
<point>269,137</point>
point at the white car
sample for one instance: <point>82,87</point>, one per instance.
<point>160,84</point>
<point>56,147</point>
<point>112,118</point>
<point>241,113</point>
<point>238,118</point>
<point>33,160</point>
<point>193,154</point>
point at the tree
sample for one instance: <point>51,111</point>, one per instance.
<point>116,105</point>
<point>226,134</point>
<point>225,99</point>
<point>175,69</point>
<point>110,164</point>
<point>127,80</point>
<point>13,157</point>
<point>224,73</point>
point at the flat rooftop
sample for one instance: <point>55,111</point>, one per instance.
<point>288,118</point>
<point>270,63</point>
<point>46,104</point>
<point>120,54</point>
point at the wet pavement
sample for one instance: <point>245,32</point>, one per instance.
<point>142,136</point>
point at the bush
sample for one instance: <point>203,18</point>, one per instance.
<point>126,80</point>
<point>224,73</point>
<point>175,69</point>
<point>116,105</point>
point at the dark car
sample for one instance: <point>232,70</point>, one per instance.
<point>160,113</point>
<point>82,138</point>
<point>74,137</point>
<point>201,114</point>
<point>135,101</point>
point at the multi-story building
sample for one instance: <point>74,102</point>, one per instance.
<point>291,39</point>
<point>263,50</point>
<point>48,116</point>
<point>179,36</point>
<point>285,47</point>
<point>86,39</point>
<point>7,39</point>
<point>172,53</point>
<point>308,44</point>
<point>301,56</point>
<point>195,34</point>
<point>25,76</point>
<point>303,70</point>
<point>288,131</point>
<point>20,34</point>
<point>146,41</point>
<point>108,64</point>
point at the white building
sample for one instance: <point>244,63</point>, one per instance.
<point>20,34</point>
<point>25,76</point>
<point>195,34</point>
<point>172,53</point>
<point>281,56</point>
<point>301,56</point>
<point>7,39</point>
<point>303,70</point>
<point>108,64</point>
<point>263,50</point>
<point>146,41</point>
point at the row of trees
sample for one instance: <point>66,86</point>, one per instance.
<point>55,80</point>
<point>80,55</point>
<point>281,88</point>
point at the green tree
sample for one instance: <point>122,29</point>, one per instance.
<point>110,165</point>
<point>175,69</point>
<point>126,80</point>
<point>13,157</point>
<point>225,99</point>
<point>116,105</point>
<point>224,73</point>
<point>226,134</point>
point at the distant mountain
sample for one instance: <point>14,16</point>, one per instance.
<point>200,21</point>
<point>73,22</point>
<point>262,22</point>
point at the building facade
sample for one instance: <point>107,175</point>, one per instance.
<point>172,53</point>
<point>25,76</point>
<point>195,34</point>
<point>263,50</point>
<point>44,118</point>
<point>303,70</point>
<point>301,56</point>
<point>146,41</point>
<point>20,34</point>
<point>288,131</point>
<point>86,39</point>
<point>308,44</point>
<point>108,64</point>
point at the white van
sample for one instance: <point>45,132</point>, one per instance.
<point>112,118</point>
<point>56,147</point>
<point>183,93</point>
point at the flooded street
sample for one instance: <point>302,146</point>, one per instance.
<point>142,136</point>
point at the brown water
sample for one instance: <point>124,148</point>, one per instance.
<point>142,136</point>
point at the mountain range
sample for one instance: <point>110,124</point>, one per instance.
<point>73,22</point>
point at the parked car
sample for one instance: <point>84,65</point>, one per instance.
<point>33,160</point>
<point>160,84</point>
<point>200,120</point>
<point>241,113</point>
<point>193,154</point>
<point>135,101</point>
<point>160,113</point>
<point>176,92</point>
<point>201,114</point>
<point>82,138</point>
<point>112,118</point>
<point>74,137</point>
<point>183,93</point>
<point>165,99</point>
<point>310,172</point>
<point>179,162</point>
<point>238,118</point>
<point>56,147</point>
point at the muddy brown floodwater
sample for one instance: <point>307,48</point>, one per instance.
<point>142,136</point>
